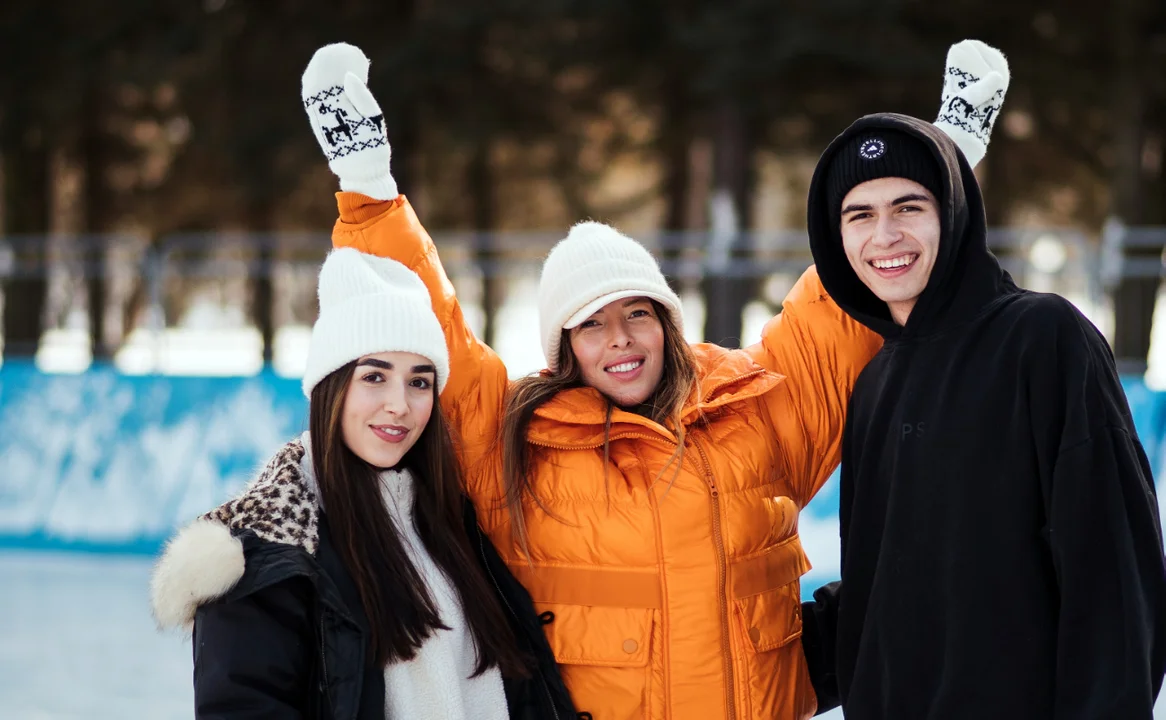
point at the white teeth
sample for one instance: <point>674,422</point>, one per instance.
<point>625,367</point>
<point>391,431</point>
<point>894,262</point>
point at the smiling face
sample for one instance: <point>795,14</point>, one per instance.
<point>387,405</point>
<point>890,232</point>
<point>620,350</point>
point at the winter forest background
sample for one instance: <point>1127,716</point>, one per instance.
<point>164,209</point>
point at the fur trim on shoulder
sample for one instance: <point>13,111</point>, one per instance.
<point>201,563</point>
<point>205,560</point>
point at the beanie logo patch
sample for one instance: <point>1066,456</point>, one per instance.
<point>872,149</point>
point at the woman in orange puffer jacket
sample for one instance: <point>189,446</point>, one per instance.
<point>646,491</point>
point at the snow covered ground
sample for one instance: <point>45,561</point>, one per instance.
<point>77,642</point>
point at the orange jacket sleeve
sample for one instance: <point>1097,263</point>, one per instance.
<point>473,397</point>
<point>821,350</point>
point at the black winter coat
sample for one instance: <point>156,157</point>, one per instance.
<point>293,626</point>
<point>1001,545</point>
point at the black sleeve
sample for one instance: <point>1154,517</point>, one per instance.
<point>253,655</point>
<point>819,638</point>
<point>1105,537</point>
<point>1101,523</point>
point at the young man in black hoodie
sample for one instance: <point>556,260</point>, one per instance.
<point>1001,546</point>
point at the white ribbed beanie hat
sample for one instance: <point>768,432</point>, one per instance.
<point>369,305</point>
<point>593,266</point>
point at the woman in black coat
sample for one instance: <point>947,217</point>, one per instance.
<point>350,579</point>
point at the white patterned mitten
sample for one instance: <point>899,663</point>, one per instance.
<point>347,120</point>
<point>974,84</point>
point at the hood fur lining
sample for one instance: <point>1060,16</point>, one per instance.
<point>201,563</point>
<point>205,560</point>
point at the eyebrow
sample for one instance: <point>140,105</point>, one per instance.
<point>913,197</point>
<point>857,208</point>
<point>373,362</point>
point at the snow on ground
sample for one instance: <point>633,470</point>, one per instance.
<point>77,642</point>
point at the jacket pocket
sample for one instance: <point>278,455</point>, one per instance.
<point>772,619</point>
<point>767,595</point>
<point>603,626</point>
<point>768,616</point>
<point>604,654</point>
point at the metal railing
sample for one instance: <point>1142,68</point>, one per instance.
<point>163,271</point>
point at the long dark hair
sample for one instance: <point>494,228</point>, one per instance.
<point>528,394</point>
<point>401,611</point>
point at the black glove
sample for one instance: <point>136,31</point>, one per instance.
<point>819,638</point>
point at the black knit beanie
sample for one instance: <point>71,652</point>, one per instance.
<point>879,153</point>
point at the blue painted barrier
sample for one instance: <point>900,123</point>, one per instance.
<point>106,462</point>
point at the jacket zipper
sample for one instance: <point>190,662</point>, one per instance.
<point>324,663</point>
<point>722,581</point>
<point>493,579</point>
<point>718,537</point>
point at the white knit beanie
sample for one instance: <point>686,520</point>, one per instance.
<point>593,266</point>
<point>370,305</point>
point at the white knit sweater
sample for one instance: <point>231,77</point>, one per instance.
<point>436,683</point>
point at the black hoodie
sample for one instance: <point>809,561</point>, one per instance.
<point>1001,545</point>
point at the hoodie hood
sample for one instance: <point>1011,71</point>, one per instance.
<point>966,277</point>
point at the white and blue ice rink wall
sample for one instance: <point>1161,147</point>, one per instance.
<point>110,463</point>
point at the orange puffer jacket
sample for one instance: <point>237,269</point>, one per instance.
<point>664,599</point>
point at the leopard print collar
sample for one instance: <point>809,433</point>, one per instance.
<point>281,505</point>
<point>205,559</point>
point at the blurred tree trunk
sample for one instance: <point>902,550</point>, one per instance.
<point>484,217</point>
<point>999,199</point>
<point>260,213</point>
<point>733,179</point>
<point>97,204</point>
<point>26,212</point>
<point>262,287</point>
<point>402,120</point>
<point>996,181</point>
<point>1135,296</point>
<point>676,134</point>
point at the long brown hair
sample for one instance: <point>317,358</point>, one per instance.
<point>665,407</point>
<point>401,611</point>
